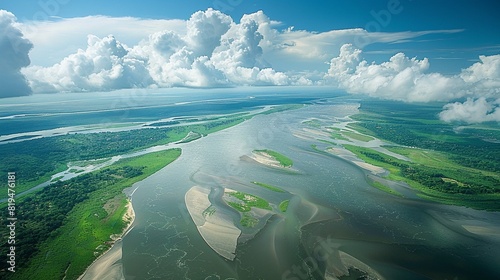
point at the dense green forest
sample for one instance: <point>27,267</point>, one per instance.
<point>49,216</point>
<point>36,160</point>
<point>418,125</point>
<point>450,162</point>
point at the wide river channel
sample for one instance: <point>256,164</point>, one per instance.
<point>398,238</point>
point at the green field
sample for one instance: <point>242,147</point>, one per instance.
<point>282,159</point>
<point>73,220</point>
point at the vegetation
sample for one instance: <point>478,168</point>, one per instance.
<point>191,137</point>
<point>62,229</point>
<point>426,175</point>
<point>417,125</point>
<point>282,159</point>
<point>449,164</point>
<point>248,201</point>
<point>284,205</point>
<point>357,136</point>
<point>313,123</point>
<point>209,211</point>
<point>336,134</point>
<point>282,108</point>
<point>384,188</point>
<point>269,187</point>
<point>247,220</point>
<point>35,161</point>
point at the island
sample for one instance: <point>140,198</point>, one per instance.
<point>272,159</point>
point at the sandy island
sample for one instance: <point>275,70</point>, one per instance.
<point>215,226</point>
<point>108,265</point>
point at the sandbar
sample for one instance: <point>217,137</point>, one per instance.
<point>216,227</point>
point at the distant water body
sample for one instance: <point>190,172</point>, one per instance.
<point>52,111</point>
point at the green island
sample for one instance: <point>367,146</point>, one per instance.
<point>284,205</point>
<point>335,133</point>
<point>269,187</point>
<point>313,123</point>
<point>282,159</point>
<point>247,202</point>
<point>73,220</point>
<point>447,165</point>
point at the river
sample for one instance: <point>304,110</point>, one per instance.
<point>396,237</point>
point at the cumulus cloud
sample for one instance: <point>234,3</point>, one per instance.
<point>212,50</point>
<point>406,79</point>
<point>103,65</point>
<point>14,49</point>
<point>400,78</point>
<point>472,111</point>
<point>59,38</point>
<point>484,76</point>
<point>483,84</point>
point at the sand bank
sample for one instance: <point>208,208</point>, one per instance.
<point>215,226</point>
<point>349,156</point>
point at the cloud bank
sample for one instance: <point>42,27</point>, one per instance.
<point>406,79</point>
<point>210,49</point>
<point>14,49</point>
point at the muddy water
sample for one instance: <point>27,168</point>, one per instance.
<point>334,210</point>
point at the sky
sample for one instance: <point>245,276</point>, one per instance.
<point>408,50</point>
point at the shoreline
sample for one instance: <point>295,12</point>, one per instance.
<point>108,263</point>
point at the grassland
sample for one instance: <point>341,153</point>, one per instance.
<point>436,177</point>
<point>248,220</point>
<point>384,188</point>
<point>84,230</point>
<point>449,163</point>
<point>313,123</point>
<point>357,136</point>
<point>282,159</point>
<point>284,205</point>
<point>248,201</point>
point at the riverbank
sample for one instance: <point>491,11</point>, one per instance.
<point>108,265</point>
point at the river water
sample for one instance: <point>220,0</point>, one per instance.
<point>335,210</point>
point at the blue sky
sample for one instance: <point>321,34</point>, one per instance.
<point>409,50</point>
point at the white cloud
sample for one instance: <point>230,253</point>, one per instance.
<point>472,111</point>
<point>54,40</point>
<point>406,79</point>
<point>484,76</point>
<point>103,65</point>
<point>400,78</point>
<point>212,50</point>
<point>14,49</point>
